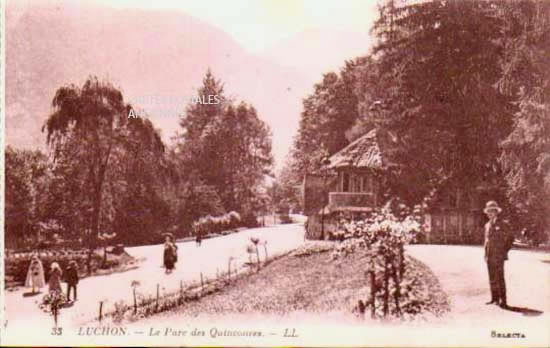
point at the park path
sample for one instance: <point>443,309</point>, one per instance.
<point>462,272</point>
<point>209,258</point>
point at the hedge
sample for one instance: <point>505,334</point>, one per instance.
<point>17,265</point>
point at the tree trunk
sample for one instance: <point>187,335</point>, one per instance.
<point>397,295</point>
<point>93,238</point>
<point>401,261</point>
<point>372,294</point>
<point>104,255</point>
<point>386,287</point>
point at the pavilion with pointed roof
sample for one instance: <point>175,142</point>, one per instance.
<point>353,191</point>
<point>357,168</point>
<point>351,188</point>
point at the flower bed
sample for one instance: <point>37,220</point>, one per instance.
<point>306,282</point>
<point>381,239</point>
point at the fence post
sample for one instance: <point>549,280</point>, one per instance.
<point>157,303</point>
<point>181,289</point>
<point>257,256</point>
<point>135,302</point>
<point>100,310</point>
<point>229,270</point>
<point>265,249</point>
<point>202,283</point>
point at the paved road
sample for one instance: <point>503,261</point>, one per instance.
<point>212,256</point>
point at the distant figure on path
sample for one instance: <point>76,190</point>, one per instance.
<point>35,275</point>
<point>498,241</point>
<point>170,253</point>
<point>199,239</point>
<point>71,277</point>
<point>54,283</point>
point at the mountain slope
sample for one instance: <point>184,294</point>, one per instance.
<point>146,54</point>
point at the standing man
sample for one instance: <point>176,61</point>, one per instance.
<point>71,277</point>
<point>498,240</point>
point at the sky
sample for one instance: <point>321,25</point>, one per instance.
<point>260,24</point>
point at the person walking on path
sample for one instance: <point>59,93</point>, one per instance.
<point>170,254</point>
<point>498,241</point>
<point>71,277</point>
<point>198,240</point>
<point>35,275</point>
<point>54,283</point>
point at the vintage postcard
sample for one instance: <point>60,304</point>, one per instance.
<point>274,173</point>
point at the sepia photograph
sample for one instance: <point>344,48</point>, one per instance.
<point>267,173</point>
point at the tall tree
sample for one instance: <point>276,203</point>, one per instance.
<point>141,211</point>
<point>93,123</point>
<point>199,125</point>
<point>443,111</point>
<point>526,79</point>
<point>227,146</point>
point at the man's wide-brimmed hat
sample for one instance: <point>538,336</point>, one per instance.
<point>492,206</point>
<point>168,234</point>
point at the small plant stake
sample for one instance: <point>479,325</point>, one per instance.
<point>257,256</point>
<point>55,311</point>
<point>229,268</point>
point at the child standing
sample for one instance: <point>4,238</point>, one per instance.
<point>35,275</point>
<point>54,283</point>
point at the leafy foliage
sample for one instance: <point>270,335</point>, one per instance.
<point>104,162</point>
<point>228,147</point>
<point>526,78</point>
<point>328,114</point>
<point>216,224</point>
<point>27,177</point>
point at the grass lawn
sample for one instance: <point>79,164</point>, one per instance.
<point>310,282</point>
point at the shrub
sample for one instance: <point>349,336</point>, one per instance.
<point>285,219</point>
<point>249,220</point>
<point>110,264</point>
<point>234,219</point>
<point>17,265</point>
<point>216,224</point>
